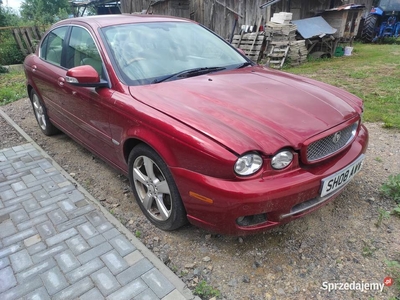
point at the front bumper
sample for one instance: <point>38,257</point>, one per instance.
<point>273,200</point>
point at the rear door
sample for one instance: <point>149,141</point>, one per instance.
<point>46,71</point>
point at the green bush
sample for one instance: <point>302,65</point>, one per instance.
<point>3,69</point>
<point>9,52</point>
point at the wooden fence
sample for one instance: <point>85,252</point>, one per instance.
<point>26,38</point>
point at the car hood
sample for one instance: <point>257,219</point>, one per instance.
<point>252,108</point>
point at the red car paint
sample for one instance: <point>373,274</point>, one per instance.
<point>201,125</point>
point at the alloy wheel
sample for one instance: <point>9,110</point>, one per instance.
<point>39,112</point>
<point>152,188</point>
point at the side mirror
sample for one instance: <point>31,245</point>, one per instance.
<point>85,76</point>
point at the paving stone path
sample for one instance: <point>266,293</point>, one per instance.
<point>57,243</point>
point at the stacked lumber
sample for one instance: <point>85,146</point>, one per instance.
<point>280,32</point>
<point>279,37</point>
<point>297,53</point>
<point>282,44</point>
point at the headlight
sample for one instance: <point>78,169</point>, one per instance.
<point>282,160</point>
<point>248,164</point>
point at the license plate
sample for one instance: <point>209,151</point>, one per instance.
<point>341,178</point>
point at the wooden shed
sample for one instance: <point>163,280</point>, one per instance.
<point>177,8</point>
<point>220,15</point>
<point>346,21</point>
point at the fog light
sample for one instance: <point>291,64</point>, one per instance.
<point>251,220</point>
<point>240,220</point>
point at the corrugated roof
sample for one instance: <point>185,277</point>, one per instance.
<point>313,27</point>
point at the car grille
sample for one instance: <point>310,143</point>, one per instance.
<point>331,143</point>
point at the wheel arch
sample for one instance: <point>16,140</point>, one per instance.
<point>129,144</point>
<point>179,147</point>
<point>178,142</point>
<point>151,141</point>
<point>29,89</point>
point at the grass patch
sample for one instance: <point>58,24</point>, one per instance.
<point>205,291</point>
<point>394,270</point>
<point>396,210</point>
<point>368,250</point>
<point>391,188</point>
<point>372,73</point>
<point>383,215</point>
<point>12,87</point>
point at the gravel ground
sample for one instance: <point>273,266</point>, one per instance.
<point>342,242</point>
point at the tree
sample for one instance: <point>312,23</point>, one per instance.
<point>8,17</point>
<point>45,11</point>
<point>2,15</point>
<point>9,52</point>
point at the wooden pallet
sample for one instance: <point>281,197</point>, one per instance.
<point>250,43</point>
<point>277,56</point>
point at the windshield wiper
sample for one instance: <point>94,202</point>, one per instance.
<point>245,65</point>
<point>188,73</point>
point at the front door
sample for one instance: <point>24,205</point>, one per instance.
<point>87,108</point>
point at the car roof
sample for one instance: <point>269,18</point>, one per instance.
<point>110,20</point>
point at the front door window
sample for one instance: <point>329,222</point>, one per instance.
<point>82,50</point>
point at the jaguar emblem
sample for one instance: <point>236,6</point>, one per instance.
<point>336,137</point>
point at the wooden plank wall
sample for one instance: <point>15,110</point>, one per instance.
<point>223,19</point>
<point>311,8</point>
<point>177,8</point>
<point>218,15</point>
<point>214,14</point>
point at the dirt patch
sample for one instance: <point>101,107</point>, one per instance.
<point>338,243</point>
<point>9,137</point>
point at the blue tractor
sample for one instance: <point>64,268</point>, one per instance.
<point>383,21</point>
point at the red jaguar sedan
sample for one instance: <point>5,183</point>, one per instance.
<point>203,134</point>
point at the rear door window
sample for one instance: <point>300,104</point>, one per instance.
<point>51,47</point>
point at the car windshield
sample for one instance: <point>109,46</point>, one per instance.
<point>149,53</point>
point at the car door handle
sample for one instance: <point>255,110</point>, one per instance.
<point>61,81</point>
<point>34,67</point>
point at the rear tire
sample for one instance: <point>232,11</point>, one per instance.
<point>368,33</point>
<point>41,115</point>
<point>155,189</point>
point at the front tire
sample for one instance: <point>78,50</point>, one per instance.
<point>368,32</point>
<point>155,189</point>
<point>41,115</point>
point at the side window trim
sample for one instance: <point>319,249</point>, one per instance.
<point>64,47</point>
